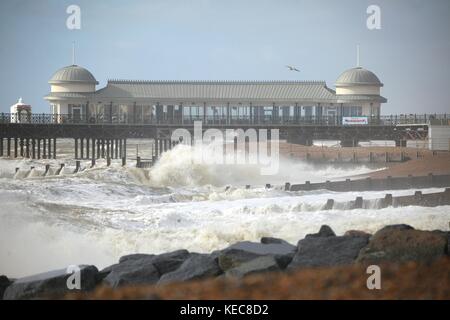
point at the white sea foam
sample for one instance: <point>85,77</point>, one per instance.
<point>101,213</point>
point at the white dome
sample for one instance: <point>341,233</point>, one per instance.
<point>71,74</point>
<point>358,76</point>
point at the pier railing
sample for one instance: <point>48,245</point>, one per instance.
<point>385,120</point>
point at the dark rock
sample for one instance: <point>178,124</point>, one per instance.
<point>132,272</point>
<point>327,251</point>
<point>258,265</point>
<point>245,251</point>
<point>357,233</point>
<point>136,256</point>
<point>325,231</point>
<point>168,262</point>
<point>404,244</point>
<point>102,274</point>
<point>396,227</point>
<point>50,284</point>
<point>4,283</point>
<point>269,240</point>
<point>197,266</point>
<point>143,269</point>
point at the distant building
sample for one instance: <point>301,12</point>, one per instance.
<point>73,96</point>
<point>20,112</point>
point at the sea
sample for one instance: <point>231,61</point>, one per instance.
<point>99,214</point>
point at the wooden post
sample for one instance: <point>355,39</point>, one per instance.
<point>116,148</point>
<point>156,148</point>
<point>307,185</point>
<point>77,166</point>
<point>124,148</point>
<point>15,147</point>
<point>33,148</point>
<point>61,167</point>
<point>27,147</point>
<point>82,148</point>
<point>8,147</point>
<point>49,148</point>
<point>103,148</point>
<point>76,148</point>
<point>108,161</point>
<point>124,161</point>
<point>138,162</point>
<point>329,205</point>
<point>87,148</point>
<point>93,148</point>
<point>39,148</point>
<point>358,203</point>
<point>387,202</point>
<point>93,162</point>
<point>107,149</point>
<point>44,148</point>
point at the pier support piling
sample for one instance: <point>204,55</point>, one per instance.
<point>8,146</point>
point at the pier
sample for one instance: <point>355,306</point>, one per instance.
<point>36,136</point>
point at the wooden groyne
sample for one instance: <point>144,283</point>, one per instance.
<point>417,199</point>
<point>369,184</point>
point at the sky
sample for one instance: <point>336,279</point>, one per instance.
<point>229,40</point>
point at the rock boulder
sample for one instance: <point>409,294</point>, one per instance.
<point>197,266</point>
<point>404,244</point>
<point>327,251</point>
<point>50,284</point>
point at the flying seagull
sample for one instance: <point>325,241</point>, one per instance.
<point>291,68</point>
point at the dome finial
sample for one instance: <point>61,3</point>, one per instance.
<point>73,53</point>
<point>358,65</point>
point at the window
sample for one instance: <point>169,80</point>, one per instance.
<point>353,111</point>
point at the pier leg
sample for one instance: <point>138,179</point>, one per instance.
<point>82,148</point>
<point>107,149</point>
<point>93,148</point>
<point>33,148</point>
<point>38,148</point>
<point>49,148</point>
<point>8,146</point>
<point>1,147</point>
<point>76,148</point>
<point>27,147</point>
<point>161,146</point>
<point>87,148</point>
<point>54,148</point>
<point>15,148</point>
<point>103,148</point>
<point>44,148</point>
<point>156,148</point>
<point>124,148</point>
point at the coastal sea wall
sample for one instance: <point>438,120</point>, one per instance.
<point>392,244</point>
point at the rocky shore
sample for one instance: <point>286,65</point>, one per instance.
<point>396,245</point>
